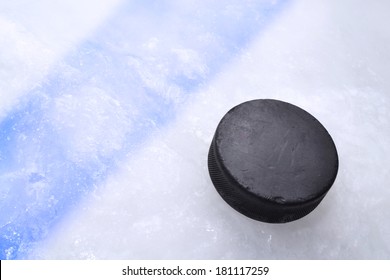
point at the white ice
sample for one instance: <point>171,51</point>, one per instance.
<point>331,58</point>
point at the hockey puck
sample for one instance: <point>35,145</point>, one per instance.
<point>272,161</point>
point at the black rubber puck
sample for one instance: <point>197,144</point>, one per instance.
<point>272,161</point>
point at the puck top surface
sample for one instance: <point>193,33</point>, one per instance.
<point>275,152</point>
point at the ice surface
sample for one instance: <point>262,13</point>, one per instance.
<point>104,152</point>
<point>33,36</point>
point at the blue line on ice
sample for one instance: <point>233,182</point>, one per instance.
<point>104,99</point>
